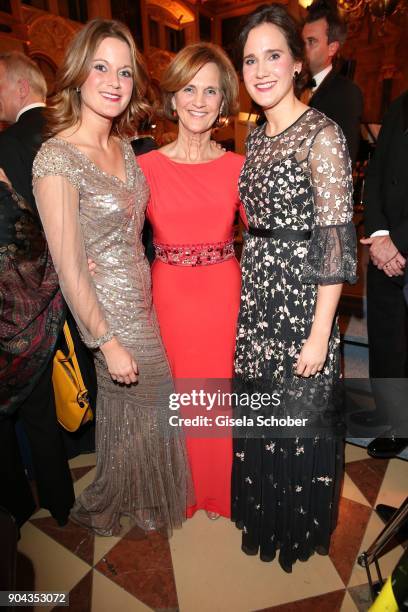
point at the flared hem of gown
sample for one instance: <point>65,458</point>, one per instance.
<point>287,567</point>
<point>82,518</point>
<point>285,496</point>
<point>142,469</point>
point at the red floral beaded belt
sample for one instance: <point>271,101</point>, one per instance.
<point>195,254</point>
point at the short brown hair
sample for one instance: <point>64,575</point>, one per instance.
<point>185,66</point>
<point>20,66</point>
<point>65,108</point>
<point>336,26</point>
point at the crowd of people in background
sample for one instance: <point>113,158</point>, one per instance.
<point>73,202</point>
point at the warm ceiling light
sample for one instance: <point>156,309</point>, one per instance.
<point>305,3</point>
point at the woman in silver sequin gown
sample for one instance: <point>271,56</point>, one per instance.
<point>142,469</point>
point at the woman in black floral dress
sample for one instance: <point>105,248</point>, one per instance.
<point>296,188</point>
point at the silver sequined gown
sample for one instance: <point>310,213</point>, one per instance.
<point>142,469</point>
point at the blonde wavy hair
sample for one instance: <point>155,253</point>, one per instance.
<point>65,106</point>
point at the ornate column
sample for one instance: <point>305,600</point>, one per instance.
<point>49,36</point>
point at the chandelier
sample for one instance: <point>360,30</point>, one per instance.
<point>378,9</point>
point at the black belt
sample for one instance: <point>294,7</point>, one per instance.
<point>282,233</point>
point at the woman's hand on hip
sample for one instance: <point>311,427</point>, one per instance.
<point>312,356</point>
<point>121,365</point>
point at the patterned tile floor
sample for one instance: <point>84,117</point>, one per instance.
<point>201,568</point>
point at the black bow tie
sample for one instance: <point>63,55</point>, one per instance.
<point>311,84</point>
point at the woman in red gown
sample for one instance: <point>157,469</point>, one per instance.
<point>196,277</point>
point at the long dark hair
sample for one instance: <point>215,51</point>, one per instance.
<point>277,15</point>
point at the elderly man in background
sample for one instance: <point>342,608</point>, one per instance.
<point>23,91</point>
<point>32,311</point>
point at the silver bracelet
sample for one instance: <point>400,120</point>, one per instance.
<point>101,340</point>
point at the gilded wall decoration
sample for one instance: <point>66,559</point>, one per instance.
<point>49,36</point>
<point>180,11</point>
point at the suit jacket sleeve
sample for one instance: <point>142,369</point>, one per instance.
<point>399,236</point>
<point>349,110</point>
<point>13,164</point>
<point>374,217</point>
<point>342,101</point>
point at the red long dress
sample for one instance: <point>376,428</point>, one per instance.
<point>197,306</point>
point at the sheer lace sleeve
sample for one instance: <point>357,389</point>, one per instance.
<point>56,189</point>
<point>331,257</point>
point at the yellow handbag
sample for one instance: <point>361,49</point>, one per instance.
<point>71,395</point>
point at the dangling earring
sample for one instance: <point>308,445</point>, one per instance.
<point>295,75</point>
<point>78,89</point>
<point>174,111</point>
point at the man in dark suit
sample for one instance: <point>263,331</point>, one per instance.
<point>386,224</point>
<point>22,101</point>
<point>331,93</point>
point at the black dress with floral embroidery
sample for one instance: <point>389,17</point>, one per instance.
<point>285,489</point>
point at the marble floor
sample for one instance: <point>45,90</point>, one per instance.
<point>201,568</point>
